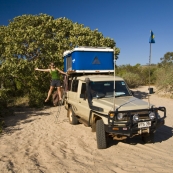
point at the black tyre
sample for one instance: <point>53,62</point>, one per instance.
<point>148,138</point>
<point>72,118</point>
<point>101,135</point>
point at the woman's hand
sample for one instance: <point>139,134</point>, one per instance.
<point>36,68</point>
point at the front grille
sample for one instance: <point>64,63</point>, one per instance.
<point>142,116</point>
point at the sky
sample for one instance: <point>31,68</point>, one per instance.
<point>128,22</point>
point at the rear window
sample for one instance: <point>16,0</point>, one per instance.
<point>75,85</point>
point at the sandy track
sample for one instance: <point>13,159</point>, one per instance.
<point>37,141</point>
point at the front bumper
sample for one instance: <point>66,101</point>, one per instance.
<point>130,128</point>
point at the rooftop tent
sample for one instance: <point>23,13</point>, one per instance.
<point>89,59</point>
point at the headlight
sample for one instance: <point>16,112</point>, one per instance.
<point>135,117</point>
<point>152,115</point>
<point>120,116</point>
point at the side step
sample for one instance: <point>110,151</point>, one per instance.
<point>83,122</point>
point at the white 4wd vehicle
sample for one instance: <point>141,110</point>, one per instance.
<point>91,100</point>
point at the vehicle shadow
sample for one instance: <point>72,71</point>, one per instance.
<point>140,95</point>
<point>162,134</point>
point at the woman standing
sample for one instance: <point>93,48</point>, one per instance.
<point>55,75</point>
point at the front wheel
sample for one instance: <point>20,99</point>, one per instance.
<point>71,116</point>
<point>101,135</point>
<point>148,138</point>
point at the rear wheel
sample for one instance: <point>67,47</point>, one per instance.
<point>101,135</point>
<point>72,117</point>
<point>63,98</point>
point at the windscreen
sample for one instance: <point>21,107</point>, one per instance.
<point>106,89</point>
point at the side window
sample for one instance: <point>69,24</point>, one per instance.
<point>83,93</point>
<point>75,85</point>
<point>69,85</point>
<point>83,89</point>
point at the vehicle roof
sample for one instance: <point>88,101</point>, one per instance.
<point>100,78</point>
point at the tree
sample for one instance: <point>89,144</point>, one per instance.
<point>31,41</point>
<point>167,59</point>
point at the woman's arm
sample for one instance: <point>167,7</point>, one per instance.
<point>61,71</point>
<point>45,70</point>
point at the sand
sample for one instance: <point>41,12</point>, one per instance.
<point>43,141</point>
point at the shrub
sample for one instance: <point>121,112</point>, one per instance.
<point>3,105</point>
<point>133,80</point>
<point>137,75</point>
<point>3,98</point>
<point>164,78</point>
<point>144,74</point>
<point>36,98</point>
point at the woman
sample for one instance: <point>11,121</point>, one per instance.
<point>54,71</point>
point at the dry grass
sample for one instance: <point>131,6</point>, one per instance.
<point>165,94</point>
<point>20,101</point>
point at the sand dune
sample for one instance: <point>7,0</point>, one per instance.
<point>43,141</point>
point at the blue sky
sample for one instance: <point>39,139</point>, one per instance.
<point>128,22</point>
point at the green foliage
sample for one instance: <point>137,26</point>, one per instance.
<point>4,97</point>
<point>3,106</point>
<point>31,41</point>
<point>36,98</point>
<point>137,75</point>
<point>39,89</point>
<point>164,76</point>
<point>147,74</point>
<point>132,79</point>
<point>123,69</point>
<point>5,100</point>
<point>166,60</point>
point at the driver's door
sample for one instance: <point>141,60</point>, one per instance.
<point>83,107</point>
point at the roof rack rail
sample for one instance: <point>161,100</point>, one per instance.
<point>94,47</point>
